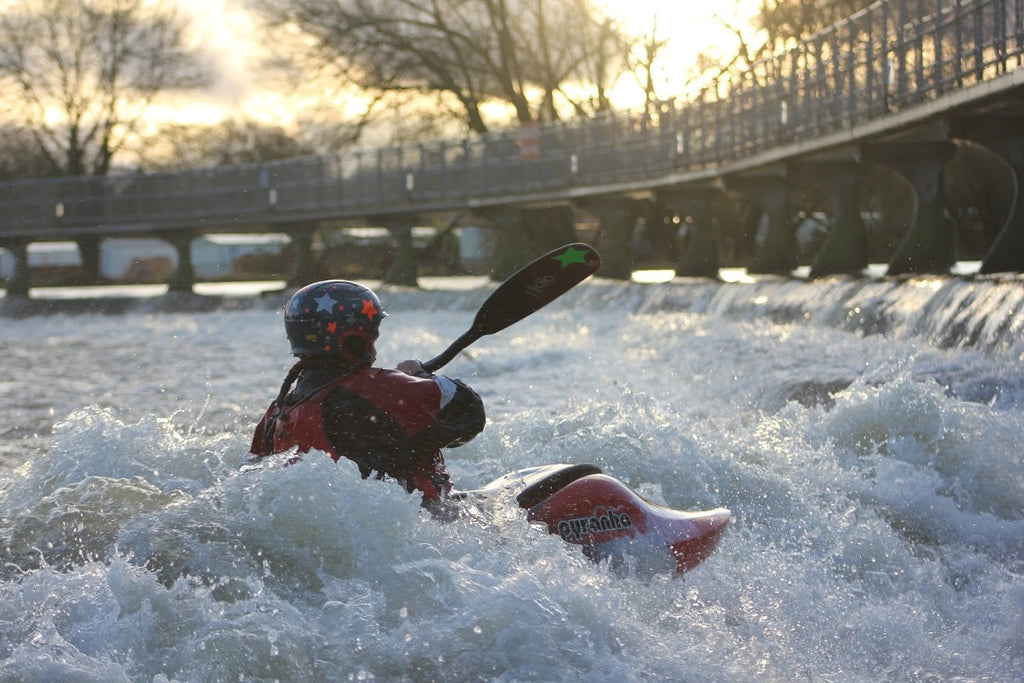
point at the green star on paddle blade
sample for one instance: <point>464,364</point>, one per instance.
<point>570,256</point>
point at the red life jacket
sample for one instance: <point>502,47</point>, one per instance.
<point>412,402</point>
<point>300,425</point>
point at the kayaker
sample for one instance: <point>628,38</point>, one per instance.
<point>391,423</point>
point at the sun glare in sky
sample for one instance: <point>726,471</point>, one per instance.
<point>233,44</point>
<point>690,27</point>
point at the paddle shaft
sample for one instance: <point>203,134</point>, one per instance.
<point>526,291</point>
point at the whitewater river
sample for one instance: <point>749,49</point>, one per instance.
<point>865,434</point>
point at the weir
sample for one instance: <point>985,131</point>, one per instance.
<point>984,313</point>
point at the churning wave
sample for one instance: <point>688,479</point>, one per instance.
<point>864,432</point>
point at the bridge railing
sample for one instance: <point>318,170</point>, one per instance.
<point>893,55</point>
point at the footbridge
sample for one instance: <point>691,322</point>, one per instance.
<point>898,84</point>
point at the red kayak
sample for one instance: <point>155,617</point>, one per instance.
<point>608,519</point>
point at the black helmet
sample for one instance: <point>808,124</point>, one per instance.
<point>334,317</point>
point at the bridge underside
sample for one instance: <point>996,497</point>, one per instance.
<point>693,212</point>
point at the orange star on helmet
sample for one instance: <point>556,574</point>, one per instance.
<point>368,309</point>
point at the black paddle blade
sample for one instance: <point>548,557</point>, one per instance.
<point>526,291</point>
<point>536,285</point>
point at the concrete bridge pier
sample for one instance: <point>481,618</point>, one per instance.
<point>1007,252</point>
<point>507,220</point>
<point>930,244</point>
<point>777,250</point>
<point>698,251</point>
<point>184,277</point>
<point>304,269</point>
<point>89,251</point>
<point>21,279</point>
<point>846,246</point>
<point>1001,135</point>
<point>403,268</point>
<point>549,227</point>
<point>617,216</point>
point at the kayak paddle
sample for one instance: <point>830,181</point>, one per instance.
<point>526,291</point>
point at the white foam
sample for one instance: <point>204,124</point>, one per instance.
<point>875,483</point>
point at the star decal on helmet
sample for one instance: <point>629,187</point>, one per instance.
<point>369,310</point>
<point>324,302</point>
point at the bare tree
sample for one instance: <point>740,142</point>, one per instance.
<point>20,157</point>
<point>85,71</point>
<point>643,59</point>
<point>232,141</point>
<point>788,20</point>
<point>536,56</point>
<point>780,24</point>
